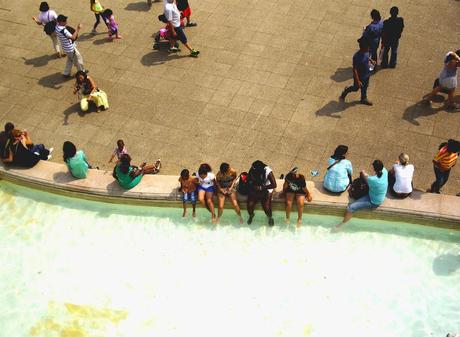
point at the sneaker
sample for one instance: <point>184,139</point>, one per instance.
<point>191,24</point>
<point>49,157</point>
<point>173,50</point>
<point>51,149</point>
<point>366,102</point>
<point>94,31</point>
<point>342,96</point>
<point>194,53</point>
<point>158,164</point>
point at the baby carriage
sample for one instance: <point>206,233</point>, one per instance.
<point>164,33</point>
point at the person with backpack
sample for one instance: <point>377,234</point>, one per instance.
<point>392,30</point>
<point>261,183</point>
<point>378,186</point>
<point>67,36</point>
<point>340,171</point>
<point>47,19</point>
<point>225,183</point>
<point>445,159</point>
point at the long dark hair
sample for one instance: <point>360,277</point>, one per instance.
<point>378,167</point>
<point>69,150</point>
<point>82,73</point>
<point>44,7</point>
<point>204,169</point>
<point>340,152</point>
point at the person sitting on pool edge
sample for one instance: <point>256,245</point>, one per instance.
<point>129,176</point>
<point>378,185</point>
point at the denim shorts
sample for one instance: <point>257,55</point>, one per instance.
<point>189,197</point>
<point>361,203</point>
<point>211,189</point>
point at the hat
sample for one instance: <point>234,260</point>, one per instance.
<point>61,18</point>
<point>404,158</point>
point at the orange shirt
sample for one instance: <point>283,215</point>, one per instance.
<point>187,185</point>
<point>446,159</point>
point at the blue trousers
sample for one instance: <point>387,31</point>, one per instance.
<point>441,179</point>
<point>393,46</point>
<point>355,87</point>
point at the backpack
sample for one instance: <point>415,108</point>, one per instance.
<point>358,189</point>
<point>50,26</point>
<point>243,183</point>
<point>71,30</point>
<point>162,18</point>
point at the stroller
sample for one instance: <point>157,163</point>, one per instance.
<point>164,34</point>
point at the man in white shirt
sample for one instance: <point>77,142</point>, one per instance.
<point>172,14</point>
<point>68,44</point>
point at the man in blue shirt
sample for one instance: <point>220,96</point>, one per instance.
<point>361,72</point>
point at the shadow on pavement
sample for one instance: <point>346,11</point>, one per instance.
<point>157,57</point>
<point>334,107</point>
<point>421,109</point>
<point>343,74</point>
<point>141,6</point>
<point>39,61</point>
<point>102,41</point>
<point>75,108</point>
<point>54,81</point>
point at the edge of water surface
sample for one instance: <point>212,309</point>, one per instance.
<point>162,190</point>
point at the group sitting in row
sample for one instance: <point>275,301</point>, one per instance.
<point>368,190</point>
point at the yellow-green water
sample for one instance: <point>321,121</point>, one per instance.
<point>74,268</point>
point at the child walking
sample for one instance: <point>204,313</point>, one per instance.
<point>188,189</point>
<point>119,151</point>
<point>112,25</point>
<point>97,9</point>
<point>184,8</point>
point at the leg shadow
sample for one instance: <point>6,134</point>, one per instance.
<point>75,108</point>
<point>332,108</point>
<point>343,74</point>
<point>159,57</point>
<point>39,61</point>
<point>422,109</point>
<point>141,6</point>
<point>102,41</point>
<point>54,81</point>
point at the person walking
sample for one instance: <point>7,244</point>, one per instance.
<point>172,14</point>
<point>361,72</point>
<point>47,19</point>
<point>445,159</point>
<point>68,44</point>
<point>392,30</point>
<point>97,9</point>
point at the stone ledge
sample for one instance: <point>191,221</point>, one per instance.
<point>100,185</point>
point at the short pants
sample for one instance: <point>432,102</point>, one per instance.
<point>189,197</point>
<point>180,34</point>
<point>207,189</point>
<point>361,203</point>
<point>187,12</point>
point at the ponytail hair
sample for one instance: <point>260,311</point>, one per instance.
<point>378,167</point>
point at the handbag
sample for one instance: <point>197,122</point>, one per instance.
<point>50,26</point>
<point>358,189</point>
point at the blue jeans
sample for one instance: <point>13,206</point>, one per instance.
<point>41,150</point>
<point>363,202</point>
<point>393,45</point>
<point>355,87</point>
<point>441,179</point>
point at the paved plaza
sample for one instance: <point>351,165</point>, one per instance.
<point>265,85</point>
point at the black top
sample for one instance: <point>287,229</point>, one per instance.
<point>392,29</point>
<point>295,185</point>
<point>22,156</point>
<point>182,5</point>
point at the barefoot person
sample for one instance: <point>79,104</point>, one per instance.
<point>261,183</point>
<point>378,185</point>
<point>47,18</point>
<point>225,182</point>
<point>89,92</point>
<point>206,188</point>
<point>447,80</point>
<point>129,176</point>
<point>295,187</point>
<point>188,189</point>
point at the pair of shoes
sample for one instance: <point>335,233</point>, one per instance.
<point>191,24</point>
<point>366,102</point>
<point>173,50</point>
<point>158,164</point>
<point>194,53</point>
<point>392,66</point>
<point>51,149</point>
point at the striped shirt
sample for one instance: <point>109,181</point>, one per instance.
<point>65,38</point>
<point>446,159</point>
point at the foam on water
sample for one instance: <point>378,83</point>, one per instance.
<point>76,268</point>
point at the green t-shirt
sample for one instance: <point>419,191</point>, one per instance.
<point>78,165</point>
<point>125,180</point>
